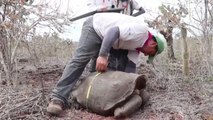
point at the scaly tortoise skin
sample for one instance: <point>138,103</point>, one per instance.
<point>111,93</point>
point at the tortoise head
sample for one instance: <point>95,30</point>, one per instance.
<point>141,82</point>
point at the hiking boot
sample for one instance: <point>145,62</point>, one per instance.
<point>55,107</point>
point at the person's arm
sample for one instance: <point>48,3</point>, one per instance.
<point>111,36</point>
<point>137,6</point>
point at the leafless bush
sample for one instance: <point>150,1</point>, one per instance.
<point>46,48</point>
<point>18,24</point>
<point>21,103</point>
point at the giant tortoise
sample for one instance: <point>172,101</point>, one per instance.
<point>111,93</point>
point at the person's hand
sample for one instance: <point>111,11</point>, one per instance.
<point>101,64</point>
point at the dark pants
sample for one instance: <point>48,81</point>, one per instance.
<point>88,48</point>
<point>118,61</point>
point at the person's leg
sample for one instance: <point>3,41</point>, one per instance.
<point>122,60</point>
<point>92,67</point>
<point>118,61</point>
<point>130,67</point>
<point>112,60</point>
<point>88,47</point>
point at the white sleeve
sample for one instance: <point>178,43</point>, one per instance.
<point>133,56</point>
<point>136,5</point>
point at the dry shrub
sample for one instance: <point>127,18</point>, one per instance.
<point>199,66</point>
<point>47,49</point>
<point>173,96</point>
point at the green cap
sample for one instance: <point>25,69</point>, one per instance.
<point>161,46</point>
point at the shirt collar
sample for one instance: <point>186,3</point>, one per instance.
<point>150,36</point>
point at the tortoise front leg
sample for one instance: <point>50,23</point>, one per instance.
<point>129,107</point>
<point>145,96</point>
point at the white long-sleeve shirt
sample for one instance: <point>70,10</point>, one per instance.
<point>133,31</point>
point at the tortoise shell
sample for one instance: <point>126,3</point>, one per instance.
<point>102,93</point>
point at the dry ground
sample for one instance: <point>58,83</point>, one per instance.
<point>173,97</point>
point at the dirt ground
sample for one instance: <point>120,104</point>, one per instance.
<point>172,98</point>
